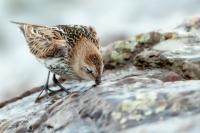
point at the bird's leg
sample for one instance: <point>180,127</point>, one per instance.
<point>59,84</point>
<point>45,87</point>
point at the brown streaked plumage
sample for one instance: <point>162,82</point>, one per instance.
<point>71,51</point>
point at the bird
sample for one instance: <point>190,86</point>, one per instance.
<point>69,51</point>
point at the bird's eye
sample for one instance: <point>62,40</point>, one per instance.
<point>89,71</point>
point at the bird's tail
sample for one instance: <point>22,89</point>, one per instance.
<point>28,24</point>
<point>21,26</point>
<point>18,23</point>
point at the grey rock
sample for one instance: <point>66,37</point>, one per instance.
<point>154,95</point>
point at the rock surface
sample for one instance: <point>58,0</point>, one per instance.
<point>150,81</point>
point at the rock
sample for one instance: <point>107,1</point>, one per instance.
<point>149,38</point>
<point>150,81</point>
<point>124,100</point>
<point>179,55</point>
<point>191,24</point>
<point>122,52</point>
<point>118,52</point>
<point>183,124</point>
<point>172,76</point>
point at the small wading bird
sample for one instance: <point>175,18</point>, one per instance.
<point>70,51</point>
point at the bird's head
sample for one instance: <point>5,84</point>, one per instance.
<point>88,62</point>
<point>92,68</point>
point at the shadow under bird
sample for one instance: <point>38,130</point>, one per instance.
<point>70,51</point>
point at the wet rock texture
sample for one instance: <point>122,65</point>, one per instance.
<point>150,85</point>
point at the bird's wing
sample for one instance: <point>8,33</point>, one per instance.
<point>75,32</point>
<point>43,41</point>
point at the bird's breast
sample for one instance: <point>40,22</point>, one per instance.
<point>57,66</point>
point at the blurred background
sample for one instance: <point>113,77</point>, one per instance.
<point>113,20</point>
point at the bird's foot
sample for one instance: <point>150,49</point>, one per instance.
<point>56,82</point>
<point>44,88</point>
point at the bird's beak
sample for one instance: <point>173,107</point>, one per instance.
<point>98,80</point>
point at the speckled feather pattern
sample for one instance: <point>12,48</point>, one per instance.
<point>54,46</point>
